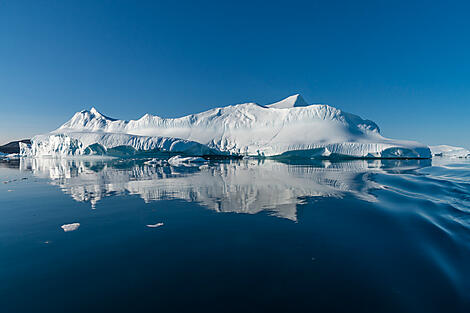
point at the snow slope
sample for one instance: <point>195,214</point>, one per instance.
<point>450,151</point>
<point>288,128</point>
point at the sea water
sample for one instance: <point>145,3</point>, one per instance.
<point>237,236</point>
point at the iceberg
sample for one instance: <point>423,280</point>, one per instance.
<point>450,151</point>
<point>288,128</point>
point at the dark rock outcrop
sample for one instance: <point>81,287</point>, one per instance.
<point>14,146</point>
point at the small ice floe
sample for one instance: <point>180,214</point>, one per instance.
<point>154,225</point>
<point>9,190</point>
<point>178,160</point>
<point>70,227</point>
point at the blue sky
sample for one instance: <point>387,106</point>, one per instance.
<point>405,65</point>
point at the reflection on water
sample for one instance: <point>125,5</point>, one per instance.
<point>358,236</point>
<point>246,186</point>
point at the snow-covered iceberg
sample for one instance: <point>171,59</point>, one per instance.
<point>286,128</point>
<point>450,151</point>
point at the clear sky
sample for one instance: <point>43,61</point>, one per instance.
<point>403,64</point>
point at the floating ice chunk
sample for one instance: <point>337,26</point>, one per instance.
<point>185,161</point>
<point>70,227</point>
<point>154,225</point>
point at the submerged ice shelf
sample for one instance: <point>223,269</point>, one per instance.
<point>288,128</point>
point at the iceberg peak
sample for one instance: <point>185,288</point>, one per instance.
<point>94,111</point>
<point>87,118</point>
<point>289,102</point>
<point>98,114</point>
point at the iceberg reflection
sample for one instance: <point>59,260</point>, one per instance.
<point>243,186</point>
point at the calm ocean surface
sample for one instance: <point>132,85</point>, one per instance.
<point>239,236</point>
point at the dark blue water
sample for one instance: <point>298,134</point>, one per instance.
<point>247,236</point>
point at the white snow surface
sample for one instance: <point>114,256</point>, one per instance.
<point>289,127</point>
<point>450,151</point>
